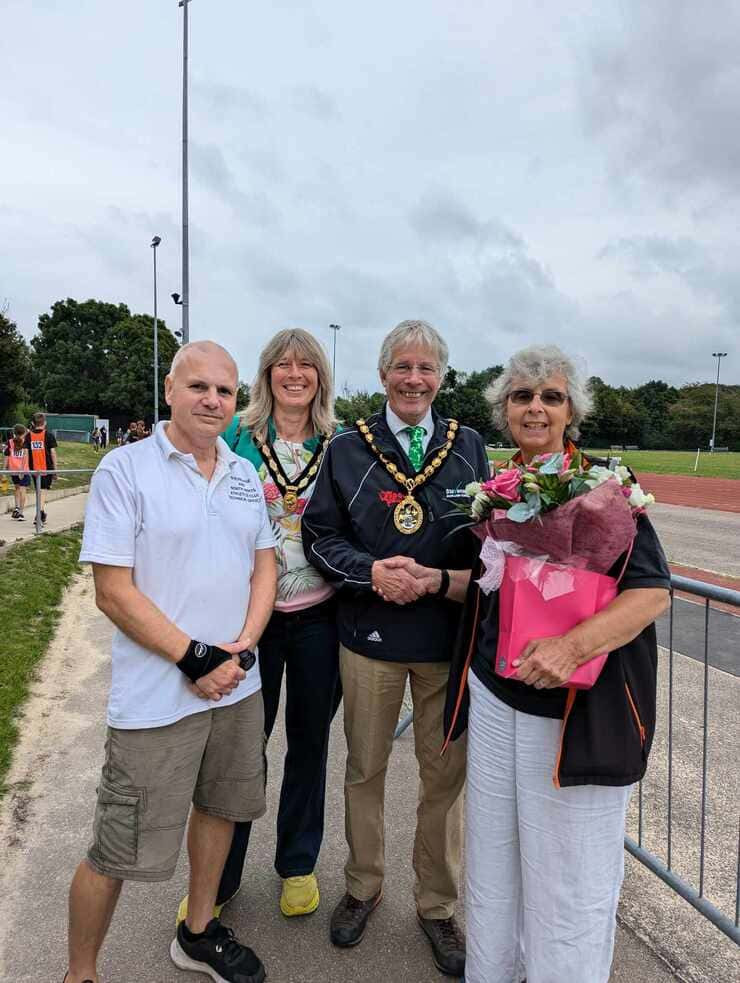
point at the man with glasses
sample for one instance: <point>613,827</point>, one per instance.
<point>382,526</point>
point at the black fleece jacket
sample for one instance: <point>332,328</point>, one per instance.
<point>348,524</point>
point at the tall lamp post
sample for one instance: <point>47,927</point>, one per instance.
<point>185,218</point>
<point>719,356</point>
<point>155,242</point>
<point>336,328</point>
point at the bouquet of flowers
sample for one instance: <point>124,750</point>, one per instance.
<point>551,531</point>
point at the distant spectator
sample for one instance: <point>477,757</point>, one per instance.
<point>119,436</point>
<point>96,439</point>
<point>42,447</point>
<point>132,434</point>
<point>142,430</point>
<point>16,460</point>
<point>103,437</point>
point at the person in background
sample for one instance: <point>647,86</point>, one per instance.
<point>96,439</point>
<point>42,448</point>
<point>16,460</point>
<point>119,436</point>
<point>132,434</point>
<point>380,527</point>
<point>104,437</point>
<point>550,769</point>
<point>284,432</point>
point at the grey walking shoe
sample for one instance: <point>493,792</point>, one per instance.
<point>448,944</point>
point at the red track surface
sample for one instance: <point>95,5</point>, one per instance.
<point>721,494</point>
<point>708,578</point>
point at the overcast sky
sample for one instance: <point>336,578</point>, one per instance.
<point>514,172</point>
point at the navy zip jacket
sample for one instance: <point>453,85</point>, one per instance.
<point>348,524</point>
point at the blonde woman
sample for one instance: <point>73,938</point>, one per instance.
<point>284,432</point>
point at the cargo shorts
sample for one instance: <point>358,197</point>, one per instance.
<point>214,759</point>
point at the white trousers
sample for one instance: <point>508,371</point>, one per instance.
<point>544,866</point>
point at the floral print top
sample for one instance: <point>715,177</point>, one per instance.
<point>299,584</point>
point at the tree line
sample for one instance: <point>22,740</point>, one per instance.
<point>93,356</point>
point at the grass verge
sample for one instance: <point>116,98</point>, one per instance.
<point>74,455</point>
<point>33,576</point>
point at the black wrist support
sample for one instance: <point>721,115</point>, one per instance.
<point>444,585</point>
<point>200,659</point>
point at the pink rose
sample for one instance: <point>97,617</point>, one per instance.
<point>505,485</point>
<point>271,491</point>
<point>566,462</point>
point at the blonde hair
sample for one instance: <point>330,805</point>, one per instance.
<point>302,345</point>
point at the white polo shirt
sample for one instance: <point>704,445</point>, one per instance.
<point>191,545</point>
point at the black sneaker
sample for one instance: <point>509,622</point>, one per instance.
<point>15,514</point>
<point>20,517</point>
<point>217,954</point>
<point>43,516</point>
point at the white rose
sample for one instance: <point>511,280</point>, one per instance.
<point>597,475</point>
<point>622,473</point>
<point>639,499</point>
<point>473,488</point>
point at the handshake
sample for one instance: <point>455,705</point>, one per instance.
<point>401,580</point>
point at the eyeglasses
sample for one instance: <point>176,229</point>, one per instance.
<point>406,368</point>
<point>550,397</point>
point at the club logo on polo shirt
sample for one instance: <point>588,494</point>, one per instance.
<point>243,490</point>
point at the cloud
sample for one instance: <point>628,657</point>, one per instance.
<point>651,255</point>
<point>210,167</point>
<point>315,102</point>
<point>219,99</point>
<point>441,217</point>
<point>705,270</point>
<point>662,95</point>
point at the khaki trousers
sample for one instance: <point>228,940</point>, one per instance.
<point>373,694</point>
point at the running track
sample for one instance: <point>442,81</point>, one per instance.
<point>722,494</point>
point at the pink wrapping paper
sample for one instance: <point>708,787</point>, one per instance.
<point>540,600</point>
<point>592,530</point>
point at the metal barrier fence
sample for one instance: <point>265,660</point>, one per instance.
<point>664,870</point>
<point>36,477</point>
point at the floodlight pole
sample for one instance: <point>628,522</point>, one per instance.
<point>719,356</point>
<point>185,216</point>
<point>336,328</point>
<point>155,242</point>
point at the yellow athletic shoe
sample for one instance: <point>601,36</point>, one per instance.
<point>182,911</point>
<point>300,895</point>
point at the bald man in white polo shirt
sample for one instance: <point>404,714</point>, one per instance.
<point>183,558</point>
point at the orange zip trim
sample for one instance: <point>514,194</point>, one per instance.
<point>571,699</point>
<point>635,714</point>
<point>464,677</point>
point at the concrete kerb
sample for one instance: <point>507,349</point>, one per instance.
<point>7,502</point>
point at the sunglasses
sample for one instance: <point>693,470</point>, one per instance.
<point>550,397</point>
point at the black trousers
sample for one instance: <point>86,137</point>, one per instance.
<point>304,646</point>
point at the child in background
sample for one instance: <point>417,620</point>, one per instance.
<point>16,460</point>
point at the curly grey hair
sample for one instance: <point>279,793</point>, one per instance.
<point>413,333</point>
<point>532,366</point>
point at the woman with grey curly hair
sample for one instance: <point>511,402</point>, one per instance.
<point>550,769</point>
<point>562,390</point>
